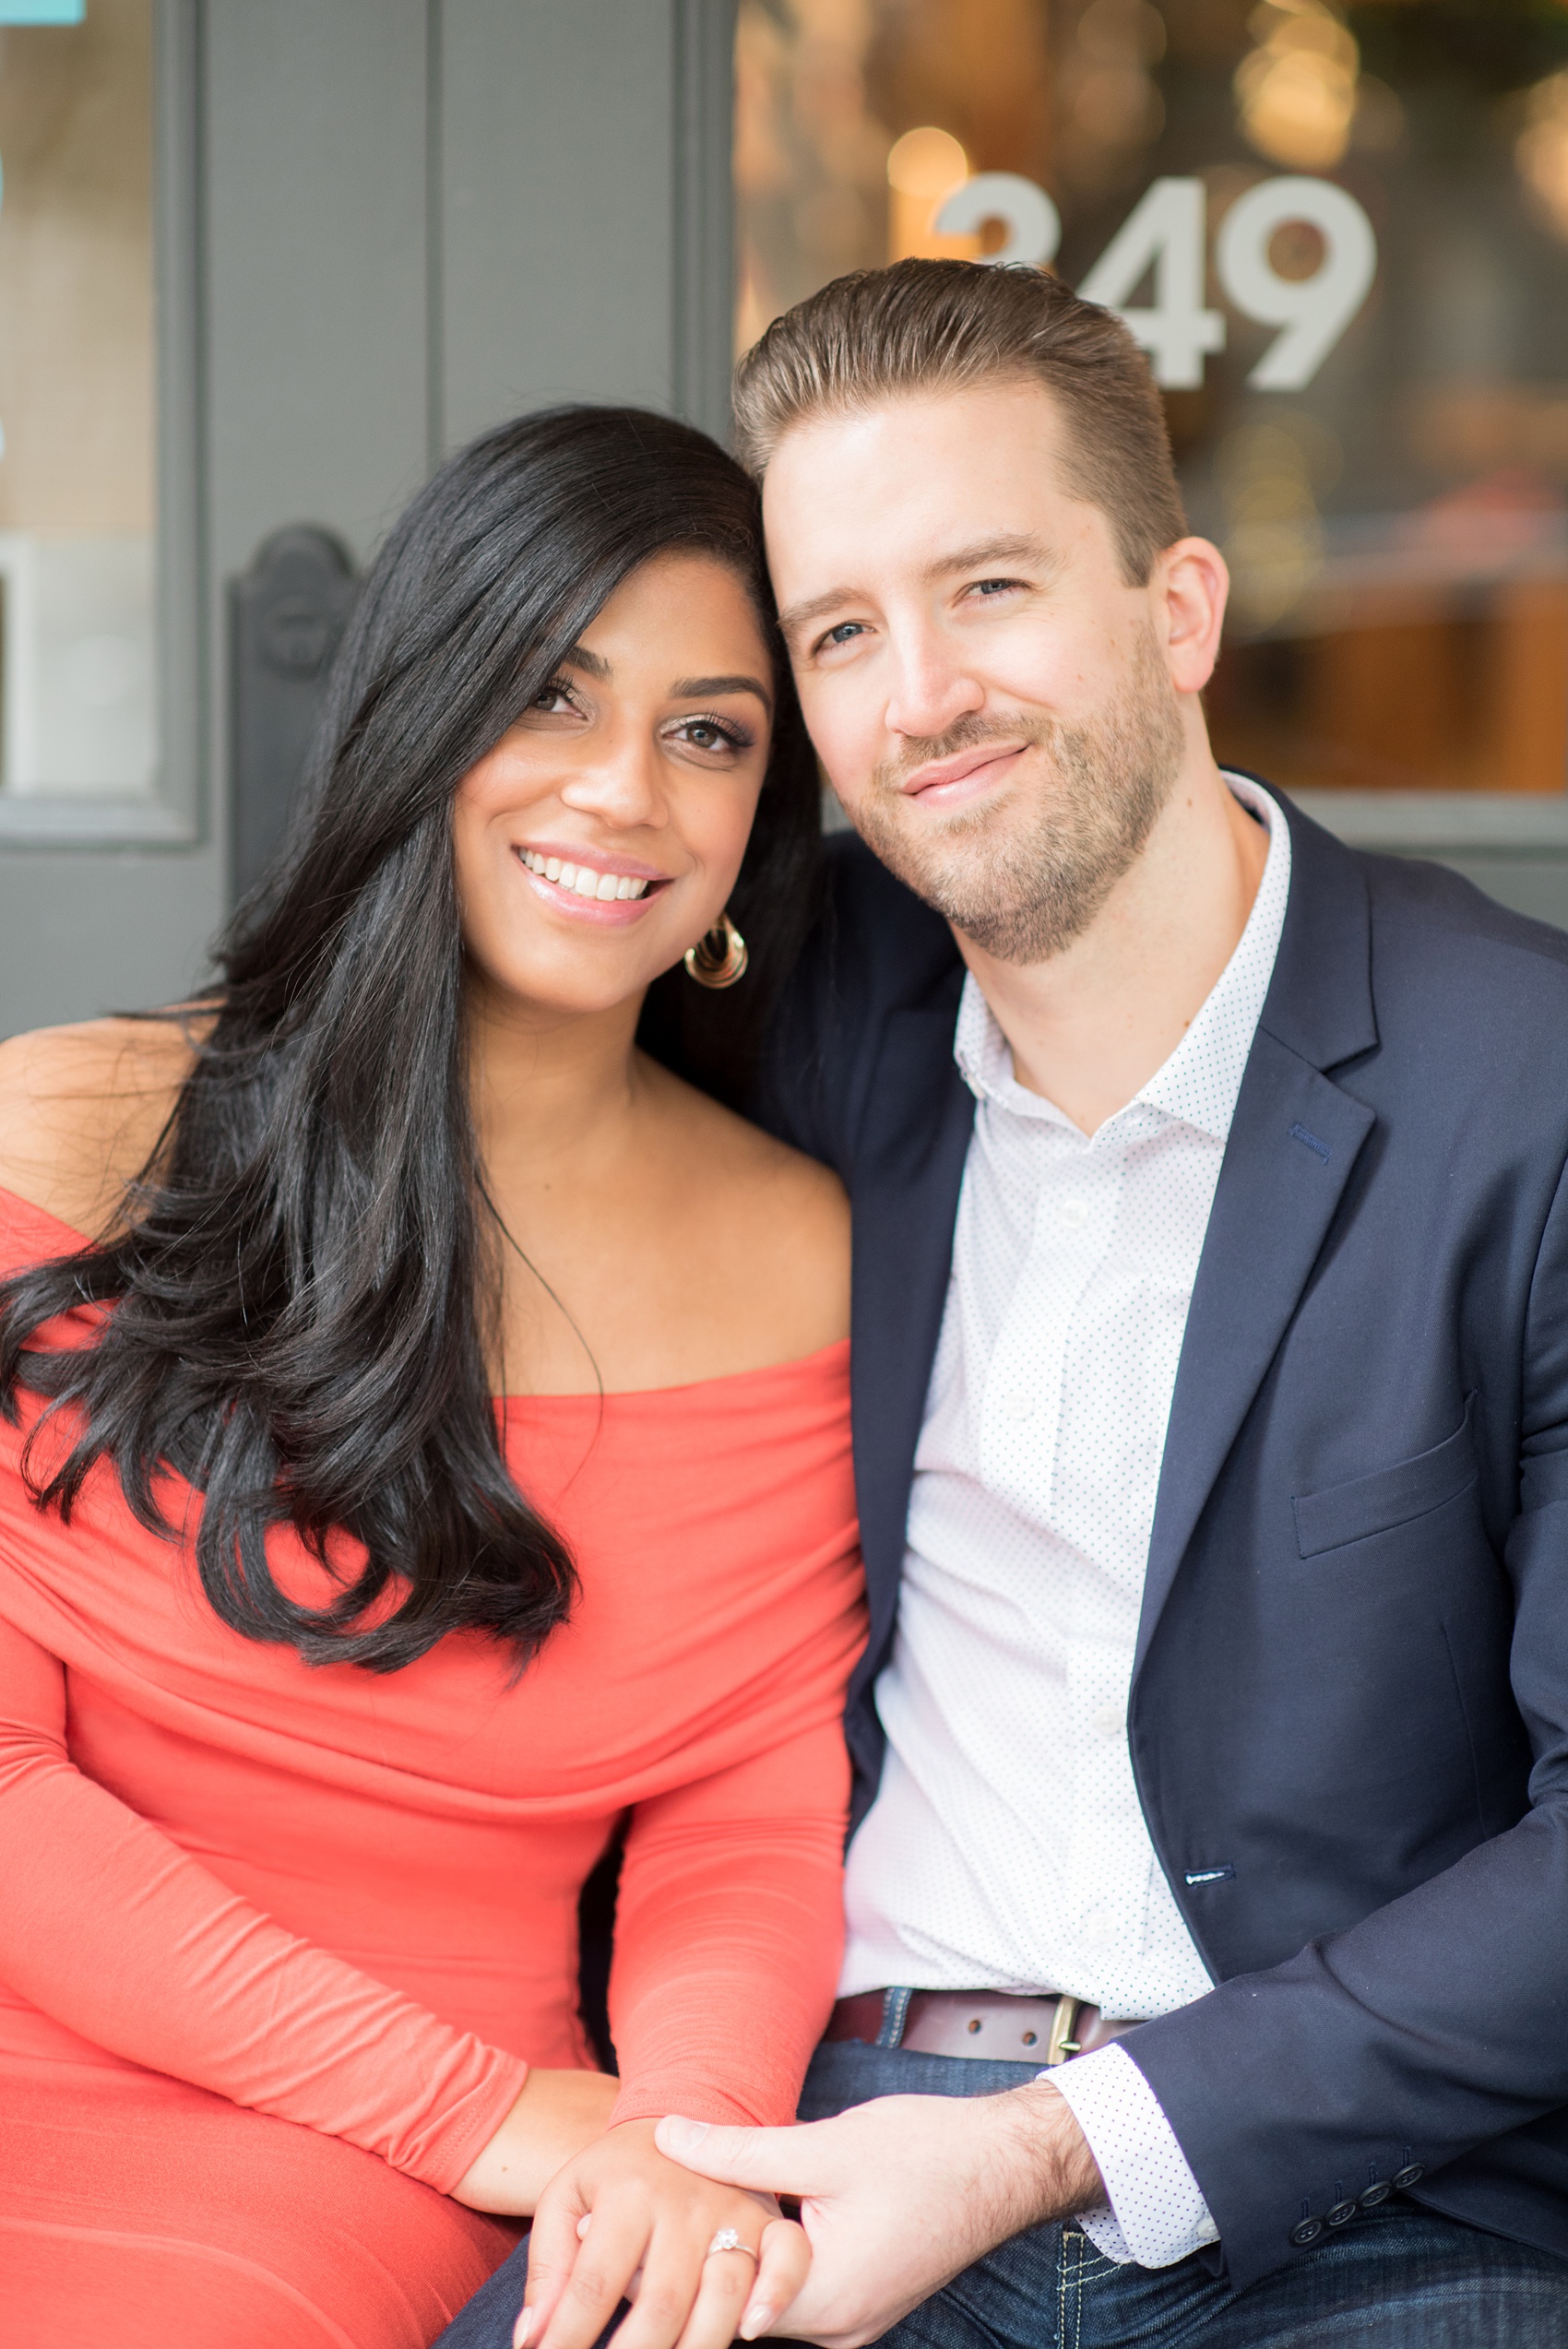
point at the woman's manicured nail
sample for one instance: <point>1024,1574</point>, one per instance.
<point>524,2327</point>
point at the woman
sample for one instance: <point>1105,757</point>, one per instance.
<point>425,1456</point>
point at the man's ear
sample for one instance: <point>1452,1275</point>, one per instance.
<point>1188,586</point>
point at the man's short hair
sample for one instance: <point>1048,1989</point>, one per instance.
<point>942,326</point>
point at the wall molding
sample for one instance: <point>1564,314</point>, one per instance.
<point>704,289</point>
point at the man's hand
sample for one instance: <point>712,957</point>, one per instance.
<point>900,2195</point>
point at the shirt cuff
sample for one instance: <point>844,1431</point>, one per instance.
<point>1157,2214</point>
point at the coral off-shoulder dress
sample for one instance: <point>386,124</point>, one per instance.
<point>278,1943</point>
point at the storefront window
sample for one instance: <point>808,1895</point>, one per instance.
<point>76,401</point>
<point>1342,234</point>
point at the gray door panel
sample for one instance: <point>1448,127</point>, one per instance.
<point>316,250</point>
<point>558,221</point>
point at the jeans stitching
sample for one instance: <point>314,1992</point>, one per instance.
<point>1070,2290</point>
<point>1093,2262</point>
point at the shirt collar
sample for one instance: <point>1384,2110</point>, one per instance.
<point>1201,1079</point>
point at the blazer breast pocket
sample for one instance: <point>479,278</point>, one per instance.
<point>1388,1497</point>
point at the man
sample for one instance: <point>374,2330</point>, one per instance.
<point>1211,1373</point>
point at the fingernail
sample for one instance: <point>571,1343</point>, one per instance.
<point>524,2327</point>
<point>584,2224</point>
<point>756,2320</point>
<point>684,2136</point>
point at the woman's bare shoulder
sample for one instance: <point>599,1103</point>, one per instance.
<point>764,1176</point>
<point>81,1110</point>
<point>775,1225</point>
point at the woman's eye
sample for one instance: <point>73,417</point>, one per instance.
<point>709,734</point>
<point>555,698</point>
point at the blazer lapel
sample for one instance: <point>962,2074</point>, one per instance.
<point>1294,1140</point>
<point>907,1173</point>
<point>1277,1197</point>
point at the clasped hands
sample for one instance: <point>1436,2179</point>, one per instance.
<point>896,2196</point>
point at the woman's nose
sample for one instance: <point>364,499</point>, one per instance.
<point>623,786</point>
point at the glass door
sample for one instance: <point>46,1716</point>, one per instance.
<point>83,752</point>
<point>1341,233</point>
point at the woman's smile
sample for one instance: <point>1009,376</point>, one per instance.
<point>589,886</point>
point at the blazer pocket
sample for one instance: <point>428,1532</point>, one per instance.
<point>1389,1497</point>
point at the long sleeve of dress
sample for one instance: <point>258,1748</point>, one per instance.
<point>108,1927</point>
<point>729,1932</point>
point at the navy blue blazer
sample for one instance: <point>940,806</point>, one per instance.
<point>1349,1719</point>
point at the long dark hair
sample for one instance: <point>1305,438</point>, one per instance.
<point>302,1280</point>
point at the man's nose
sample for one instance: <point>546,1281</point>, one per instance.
<point>932,689</point>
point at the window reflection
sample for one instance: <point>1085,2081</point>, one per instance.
<point>77,393</point>
<point>1367,385</point>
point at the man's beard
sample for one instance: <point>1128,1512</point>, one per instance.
<point>1023,882</point>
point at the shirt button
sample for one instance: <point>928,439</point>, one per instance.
<point>1109,1720</point>
<point>1075,1213</point>
<point>1100,1927</point>
<point>1017,1407</point>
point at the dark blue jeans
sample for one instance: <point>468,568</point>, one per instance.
<point>1400,2278</point>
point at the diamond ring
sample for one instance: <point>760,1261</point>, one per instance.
<point>729,2239</point>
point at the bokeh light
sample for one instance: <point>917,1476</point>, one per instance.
<point>1295,91</point>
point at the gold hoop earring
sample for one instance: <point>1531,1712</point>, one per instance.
<point>719,958</point>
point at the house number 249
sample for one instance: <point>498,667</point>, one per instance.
<point>1166,232</point>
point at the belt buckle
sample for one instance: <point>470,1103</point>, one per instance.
<point>1061,2043</point>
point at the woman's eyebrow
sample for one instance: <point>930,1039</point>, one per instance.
<point>699,688</point>
<point>592,665</point>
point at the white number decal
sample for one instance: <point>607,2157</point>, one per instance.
<point>1031,220</point>
<point>1165,231</point>
<point>1314,312</point>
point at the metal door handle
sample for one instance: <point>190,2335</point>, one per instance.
<point>287,614</point>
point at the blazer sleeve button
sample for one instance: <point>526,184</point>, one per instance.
<point>1340,2214</point>
<point>1410,2175</point>
<point>1378,2191</point>
<point>1306,2231</point>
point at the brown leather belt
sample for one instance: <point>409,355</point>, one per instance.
<point>1004,2025</point>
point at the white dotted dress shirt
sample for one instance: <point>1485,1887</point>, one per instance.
<point>1006,1848</point>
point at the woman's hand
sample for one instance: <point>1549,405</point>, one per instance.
<point>621,2221</point>
<point>556,2115</point>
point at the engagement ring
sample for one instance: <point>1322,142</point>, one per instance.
<point>727,2239</point>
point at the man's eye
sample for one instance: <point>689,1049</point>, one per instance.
<point>844,633</point>
<point>995,587</point>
